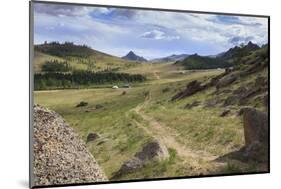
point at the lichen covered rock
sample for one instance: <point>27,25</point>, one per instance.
<point>59,155</point>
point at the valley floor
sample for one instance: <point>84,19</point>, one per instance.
<point>127,118</point>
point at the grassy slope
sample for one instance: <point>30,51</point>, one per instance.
<point>41,58</point>
<point>103,61</point>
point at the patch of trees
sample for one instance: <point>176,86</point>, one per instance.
<point>81,78</point>
<point>203,62</point>
<point>65,49</point>
<point>56,66</point>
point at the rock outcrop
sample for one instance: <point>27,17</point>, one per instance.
<point>152,151</point>
<point>226,80</point>
<point>191,88</point>
<point>59,155</point>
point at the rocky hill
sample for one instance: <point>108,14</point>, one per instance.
<point>60,156</point>
<point>242,91</point>
<point>239,51</point>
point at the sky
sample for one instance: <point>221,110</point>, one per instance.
<point>151,34</point>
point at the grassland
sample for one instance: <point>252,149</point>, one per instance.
<point>127,120</point>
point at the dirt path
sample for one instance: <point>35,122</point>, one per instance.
<point>168,137</point>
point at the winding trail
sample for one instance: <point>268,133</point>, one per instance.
<point>168,136</point>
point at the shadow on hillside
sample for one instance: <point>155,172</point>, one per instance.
<point>235,155</point>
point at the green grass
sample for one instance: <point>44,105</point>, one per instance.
<point>200,128</point>
<point>122,138</point>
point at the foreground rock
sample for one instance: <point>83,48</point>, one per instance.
<point>153,151</point>
<point>255,126</point>
<point>256,134</point>
<point>60,156</point>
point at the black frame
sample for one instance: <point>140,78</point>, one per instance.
<point>31,32</point>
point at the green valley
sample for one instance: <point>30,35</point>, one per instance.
<point>199,129</point>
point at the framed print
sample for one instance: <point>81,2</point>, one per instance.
<point>125,94</point>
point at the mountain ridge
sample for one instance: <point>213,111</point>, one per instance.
<point>222,60</point>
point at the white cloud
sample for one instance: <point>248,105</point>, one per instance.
<point>157,35</point>
<point>204,27</point>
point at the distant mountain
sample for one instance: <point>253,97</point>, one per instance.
<point>222,60</point>
<point>196,61</point>
<point>171,58</point>
<point>132,56</point>
<point>239,51</point>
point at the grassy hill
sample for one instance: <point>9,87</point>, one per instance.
<point>203,62</point>
<point>66,65</point>
<point>80,57</point>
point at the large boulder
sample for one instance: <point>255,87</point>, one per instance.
<point>152,151</point>
<point>255,126</point>
<point>59,155</point>
<point>256,134</point>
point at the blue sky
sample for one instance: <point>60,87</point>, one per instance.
<point>151,34</point>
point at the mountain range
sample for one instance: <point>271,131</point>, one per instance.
<point>84,57</point>
<point>171,58</point>
<point>222,60</point>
